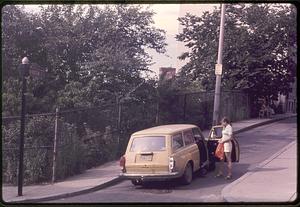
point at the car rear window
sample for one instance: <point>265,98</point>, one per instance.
<point>148,144</point>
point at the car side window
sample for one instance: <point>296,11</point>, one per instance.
<point>177,141</point>
<point>218,132</point>
<point>197,134</point>
<point>188,137</point>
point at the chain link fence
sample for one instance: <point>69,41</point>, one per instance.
<point>85,138</point>
<point>197,108</point>
<point>79,146</point>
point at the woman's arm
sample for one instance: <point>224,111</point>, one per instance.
<point>226,138</point>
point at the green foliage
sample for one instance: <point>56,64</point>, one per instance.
<point>38,153</point>
<point>100,147</point>
<point>73,96</point>
<point>71,152</point>
<point>103,49</point>
<point>36,159</point>
<point>259,48</point>
<point>11,97</point>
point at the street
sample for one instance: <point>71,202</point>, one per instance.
<point>256,146</point>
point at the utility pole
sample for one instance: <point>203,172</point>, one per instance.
<point>218,69</point>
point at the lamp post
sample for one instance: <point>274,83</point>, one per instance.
<point>218,69</point>
<point>24,72</point>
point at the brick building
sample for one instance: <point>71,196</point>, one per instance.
<point>167,73</point>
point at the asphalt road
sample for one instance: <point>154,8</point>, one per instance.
<point>256,146</point>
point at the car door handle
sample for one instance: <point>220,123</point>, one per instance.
<point>147,153</point>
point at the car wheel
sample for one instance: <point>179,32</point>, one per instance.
<point>187,176</point>
<point>136,182</point>
<point>212,166</point>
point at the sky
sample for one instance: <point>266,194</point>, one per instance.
<point>165,18</point>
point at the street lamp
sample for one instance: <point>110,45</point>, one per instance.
<point>24,72</point>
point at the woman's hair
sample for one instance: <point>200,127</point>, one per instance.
<point>226,120</point>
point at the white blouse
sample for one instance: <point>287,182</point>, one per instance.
<point>226,135</point>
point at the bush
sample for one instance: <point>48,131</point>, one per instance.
<point>38,153</point>
<point>39,131</point>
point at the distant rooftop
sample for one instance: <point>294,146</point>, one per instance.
<point>166,73</point>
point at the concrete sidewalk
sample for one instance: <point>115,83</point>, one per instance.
<point>248,124</point>
<point>99,177</point>
<point>274,180</point>
<point>91,180</point>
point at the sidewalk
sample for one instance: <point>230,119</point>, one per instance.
<point>91,180</point>
<point>248,124</point>
<point>99,177</point>
<point>274,180</point>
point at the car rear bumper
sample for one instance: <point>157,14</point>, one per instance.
<point>150,177</point>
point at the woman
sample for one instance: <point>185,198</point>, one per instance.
<point>226,139</point>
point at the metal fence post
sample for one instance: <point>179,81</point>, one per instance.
<point>184,106</point>
<point>55,145</point>
<point>119,117</point>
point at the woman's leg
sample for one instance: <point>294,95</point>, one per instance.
<point>221,167</point>
<point>229,163</point>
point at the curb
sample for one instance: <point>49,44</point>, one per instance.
<point>264,123</point>
<point>225,193</point>
<point>71,194</point>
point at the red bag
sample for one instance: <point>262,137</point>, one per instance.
<point>220,151</point>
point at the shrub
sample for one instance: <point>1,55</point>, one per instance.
<point>38,153</point>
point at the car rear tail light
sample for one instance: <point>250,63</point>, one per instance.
<point>122,161</point>
<point>171,164</point>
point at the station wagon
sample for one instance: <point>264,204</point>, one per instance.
<point>170,151</point>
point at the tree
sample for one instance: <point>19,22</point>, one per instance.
<point>120,57</point>
<point>103,49</point>
<point>259,48</point>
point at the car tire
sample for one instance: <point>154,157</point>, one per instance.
<point>212,166</point>
<point>187,176</point>
<point>136,182</point>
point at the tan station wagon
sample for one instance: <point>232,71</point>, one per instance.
<point>167,152</point>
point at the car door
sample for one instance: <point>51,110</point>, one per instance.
<point>212,142</point>
<point>202,145</point>
<point>191,148</point>
<point>178,152</point>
